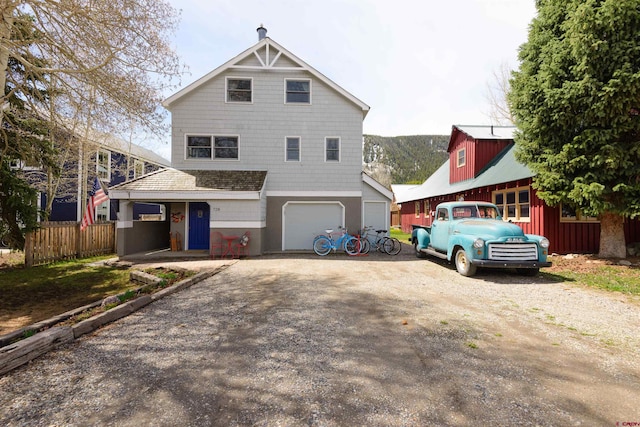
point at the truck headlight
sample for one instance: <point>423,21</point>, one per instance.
<point>478,243</point>
<point>544,243</point>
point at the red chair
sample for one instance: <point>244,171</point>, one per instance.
<point>242,247</point>
<point>216,245</point>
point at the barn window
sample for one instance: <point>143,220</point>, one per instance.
<point>513,203</point>
<point>462,157</point>
<point>571,214</point>
<point>417,207</point>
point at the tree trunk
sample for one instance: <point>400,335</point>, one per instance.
<point>7,8</point>
<point>612,242</point>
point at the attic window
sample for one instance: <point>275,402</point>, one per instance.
<point>297,91</point>
<point>461,157</point>
<point>239,90</point>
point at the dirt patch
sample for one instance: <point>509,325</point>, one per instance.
<point>587,263</point>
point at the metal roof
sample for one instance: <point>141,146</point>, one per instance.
<point>503,168</point>
<point>487,131</point>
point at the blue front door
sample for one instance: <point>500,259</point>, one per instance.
<point>198,225</point>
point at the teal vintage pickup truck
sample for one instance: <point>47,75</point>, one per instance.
<point>473,234</point>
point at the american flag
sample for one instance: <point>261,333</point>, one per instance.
<point>96,197</point>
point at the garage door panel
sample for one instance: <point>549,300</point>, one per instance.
<point>375,214</point>
<point>302,221</point>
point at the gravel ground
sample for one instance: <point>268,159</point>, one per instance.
<point>338,341</point>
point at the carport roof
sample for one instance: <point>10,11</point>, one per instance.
<point>173,180</point>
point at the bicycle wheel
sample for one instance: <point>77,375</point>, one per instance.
<point>365,246</point>
<point>397,246</point>
<point>387,245</point>
<point>351,246</point>
<point>322,245</point>
<point>380,244</point>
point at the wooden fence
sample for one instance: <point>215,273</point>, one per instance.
<point>55,241</point>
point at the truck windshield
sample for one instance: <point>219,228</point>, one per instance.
<point>484,211</point>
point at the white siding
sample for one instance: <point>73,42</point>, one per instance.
<point>263,125</point>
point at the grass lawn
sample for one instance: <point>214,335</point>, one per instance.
<point>33,294</point>
<point>400,235</point>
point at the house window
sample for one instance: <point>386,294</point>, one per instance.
<point>417,207</point>
<point>138,168</point>
<point>198,147</point>
<point>297,91</point>
<point>462,157</point>
<point>102,211</point>
<point>226,147</point>
<point>103,165</point>
<point>571,214</point>
<point>239,90</point>
<point>427,208</point>
<point>292,149</point>
<point>513,204</point>
<point>332,148</point>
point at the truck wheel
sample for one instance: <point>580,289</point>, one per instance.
<point>463,264</point>
<point>419,254</point>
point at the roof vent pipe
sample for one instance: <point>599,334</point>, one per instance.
<point>262,32</point>
<point>491,129</point>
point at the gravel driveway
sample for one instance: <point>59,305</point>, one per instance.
<point>338,341</point>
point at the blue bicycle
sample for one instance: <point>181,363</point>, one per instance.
<point>324,243</point>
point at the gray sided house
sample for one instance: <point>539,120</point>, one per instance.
<point>266,144</point>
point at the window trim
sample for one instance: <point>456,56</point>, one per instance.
<point>427,208</point>
<point>298,80</point>
<point>578,218</point>
<point>462,151</point>
<point>108,165</point>
<point>416,207</point>
<point>136,164</point>
<point>286,149</point>
<point>502,208</point>
<point>226,90</point>
<point>326,140</point>
<point>212,143</point>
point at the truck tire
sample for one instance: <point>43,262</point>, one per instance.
<point>463,264</point>
<point>419,254</point>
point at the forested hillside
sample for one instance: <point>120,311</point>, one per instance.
<point>404,159</point>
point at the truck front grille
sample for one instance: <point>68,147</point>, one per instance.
<point>513,251</point>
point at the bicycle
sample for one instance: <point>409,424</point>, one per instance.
<point>324,243</point>
<point>380,242</point>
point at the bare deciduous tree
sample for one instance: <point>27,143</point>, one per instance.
<point>117,50</point>
<point>497,90</point>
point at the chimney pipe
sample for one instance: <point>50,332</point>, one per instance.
<point>491,129</point>
<point>262,32</point>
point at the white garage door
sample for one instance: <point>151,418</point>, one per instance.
<point>302,221</point>
<point>376,215</point>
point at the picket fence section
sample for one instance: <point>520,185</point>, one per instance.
<point>55,241</point>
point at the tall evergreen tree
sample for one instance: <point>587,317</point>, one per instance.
<point>576,102</point>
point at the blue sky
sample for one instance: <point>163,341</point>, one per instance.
<point>421,65</point>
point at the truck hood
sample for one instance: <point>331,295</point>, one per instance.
<point>488,228</point>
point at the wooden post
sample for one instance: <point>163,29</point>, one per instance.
<point>28,249</point>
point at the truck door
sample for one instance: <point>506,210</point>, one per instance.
<point>440,230</point>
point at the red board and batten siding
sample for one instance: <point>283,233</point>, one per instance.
<point>477,156</point>
<point>565,237</point>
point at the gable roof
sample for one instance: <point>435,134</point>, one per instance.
<point>266,55</point>
<point>503,168</point>
<point>173,184</point>
<point>482,132</point>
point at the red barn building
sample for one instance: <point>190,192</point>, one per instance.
<point>482,166</point>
